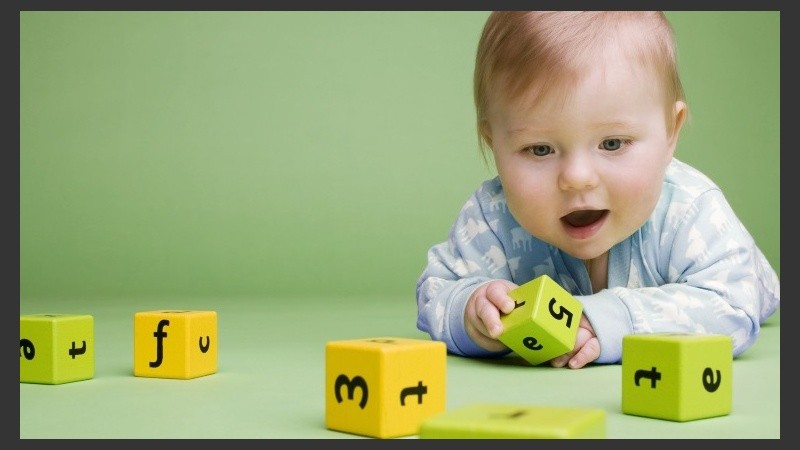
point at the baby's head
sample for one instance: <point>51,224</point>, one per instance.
<point>530,53</point>
<point>582,111</point>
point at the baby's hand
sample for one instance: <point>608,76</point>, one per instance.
<point>482,316</point>
<point>586,350</point>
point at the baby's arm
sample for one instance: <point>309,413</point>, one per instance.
<point>452,305</point>
<point>700,272</point>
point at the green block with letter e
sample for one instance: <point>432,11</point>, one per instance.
<point>544,322</point>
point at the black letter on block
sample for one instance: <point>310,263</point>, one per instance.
<point>532,343</point>
<point>653,375</point>
<point>160,334</point>
<point>77,351</point>
<point>357,381</point>
<point>561,312</point>
<point>419,390</point>
<point>204,348</point>
<point>708,380</point>
<point>26,348</point>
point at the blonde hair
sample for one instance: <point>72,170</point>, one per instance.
<point>547,51</point>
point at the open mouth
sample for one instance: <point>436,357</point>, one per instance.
<point>584,218</point>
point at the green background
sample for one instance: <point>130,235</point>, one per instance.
<point>281,154</point>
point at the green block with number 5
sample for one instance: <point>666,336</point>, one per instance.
<point>544,322</point>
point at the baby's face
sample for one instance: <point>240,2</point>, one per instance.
<point>583,172</point>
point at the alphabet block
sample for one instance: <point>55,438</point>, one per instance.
<point>509,421</point>
<point>174,344</point>
<point>56,348</point>
<point>383,387</point>
<point>544,322</point>
<point>677,376</point>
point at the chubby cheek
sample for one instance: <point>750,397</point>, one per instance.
<point>533,205</point>
<point>637,194</point>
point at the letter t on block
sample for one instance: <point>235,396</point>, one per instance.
<point>677,376</point>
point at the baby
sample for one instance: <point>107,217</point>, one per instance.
<point>581,112</point>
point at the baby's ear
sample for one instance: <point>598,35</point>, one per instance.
<point>485,132</point>
<point>679,113</point>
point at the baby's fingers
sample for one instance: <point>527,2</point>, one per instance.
<point>588,353</point>
<point>497,293</point>
<point>561,361</point>
<point>490,318</point>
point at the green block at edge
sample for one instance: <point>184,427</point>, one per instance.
<point>56,348</point>
<point>516,421</point>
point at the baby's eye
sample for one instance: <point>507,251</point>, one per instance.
<point>613,144</point>
<point>539,149</point>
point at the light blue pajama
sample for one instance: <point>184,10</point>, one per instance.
<point>692,267</point>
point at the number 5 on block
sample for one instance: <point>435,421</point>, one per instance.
<point>544,322</point>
